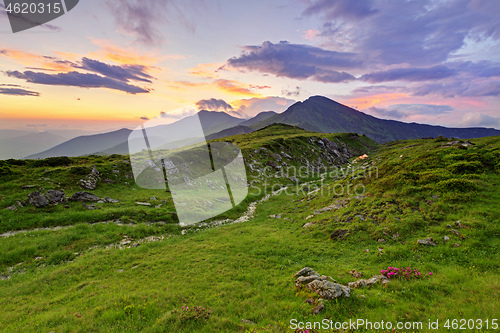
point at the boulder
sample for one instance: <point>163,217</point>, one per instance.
<point>328,290</point>
<point>37,199</point>
<point>84,196</point>
<point>318,309</point>
<point>427,241</point>
<point>55,196</point>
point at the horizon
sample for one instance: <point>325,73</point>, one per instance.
<point>116,64</point>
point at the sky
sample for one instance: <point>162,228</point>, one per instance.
<point>109,64</point>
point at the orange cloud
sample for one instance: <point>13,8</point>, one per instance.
<point>207,70</point>
<point>311,34</point>
<point>37,60</point>
<point>235,88</point>
<point>366,102</point>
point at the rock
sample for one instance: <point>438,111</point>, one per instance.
<point>328,290</point>
<point>306,271</point>
<point>303,280</point>
<point>84,196</point>
<point>435,196</point>
<point>428,241</point>
<point>448,226</point>
<point>455,232</point>
<point>12,208</point>
<point>27,187</point>
<point>125,242</point>
<point>89,184</point>
<point>369,282</point>
<point>143,203</point>
<point>362,296</point>
<point>55,196</point>
<point>309,301</point>
<point>318,309</point>
<point>446,238</point>
<point>152,198</point>
<point>456,245</point>
<point>381,240</point>
<point>395,236</point>
<point>310,216</point>
<point>109,200</point>
<point>20,205</point>
<point>458,224</point>
<point>246,321</point>
<point>355,274</point>
<point>37,199</point>
<point>94,171</point>
<point>307,225</point>
<point>339,234</point>
<point>91,207</point>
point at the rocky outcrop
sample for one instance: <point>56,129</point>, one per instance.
<point>84,196</point>
<point>53,197</point>
<point>369,282</point>
<point>320,284</point>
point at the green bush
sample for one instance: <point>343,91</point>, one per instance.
<point>465,167</point>
<point>454,184</point>
<point>53,161</point>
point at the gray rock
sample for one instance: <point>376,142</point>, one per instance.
<point>446,239</point>
<point>143,203</point>
<point>84,196</point>
<point>427,241</point>
<point>90,183</point>
<point>12,208</point>
<point>91,207</point>
<point>109,200</point>
<point>37,199</point>
<point>456,245</point>
<point>307,225</point>
<point>395,236</point>
<point>381,240</point>
<point>306,271</point>
<point>55,196</point>
<point>328,290</point>
<point>369,282</point>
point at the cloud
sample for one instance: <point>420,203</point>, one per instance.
<point>296,61</point>
<point>345,8</point>
<point>406,111</point>
<point>140,19</point>
<point>248,108</point>
<point>468,88</point>
<point>18,92</point>
<point>144,118</point>
<point>179,113</point>
<point>213,105</point>
<point>123,73</point>
<point>410,74</point>
<point>76,79</point>
<point>418,33</point>
<point>235,87</point>
<point>473,119</point>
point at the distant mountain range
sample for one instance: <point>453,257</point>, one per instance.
<point>322,114</point>
<point>317,114</point>
<point>18,144</point>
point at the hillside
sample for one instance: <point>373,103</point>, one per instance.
<point>19,146</point>
<point>426,204</point>
<point>322,114</point>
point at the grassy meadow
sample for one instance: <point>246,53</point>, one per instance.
<point>73,276</point>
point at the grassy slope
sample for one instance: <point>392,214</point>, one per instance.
<point>243,271</point>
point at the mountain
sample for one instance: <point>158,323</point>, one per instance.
<point>85,145</point>
<point>117,142</point>
<point>319,113</point>
<point>230,132</point>
<point>17,146</point>
<point>258,118</point>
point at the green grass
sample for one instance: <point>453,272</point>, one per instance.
<point>244,271</point>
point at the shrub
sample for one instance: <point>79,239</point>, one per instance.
<point>455,184</point>
<point>53,161</point>
<point>465,167</point>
